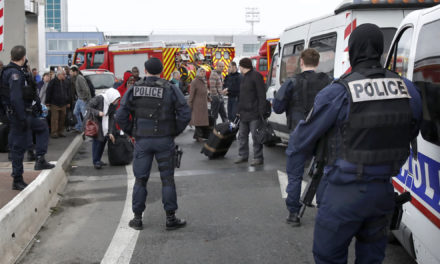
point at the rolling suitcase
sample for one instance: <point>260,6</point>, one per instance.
<point>220,139</point>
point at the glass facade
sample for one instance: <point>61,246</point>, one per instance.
<point>53,14</point>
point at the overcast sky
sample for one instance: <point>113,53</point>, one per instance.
<point>191,17</point>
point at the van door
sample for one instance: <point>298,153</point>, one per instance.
<point>326,46</point>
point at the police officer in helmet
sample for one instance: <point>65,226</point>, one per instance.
<point>159,113</point>
<point>368,118</point>
<point>23,108</point>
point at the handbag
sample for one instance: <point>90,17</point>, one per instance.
<point>120,152</point>
<point>264,134</point>
<point>91,128</point>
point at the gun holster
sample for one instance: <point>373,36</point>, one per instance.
<point>398,209</point>
<point>178,152</point>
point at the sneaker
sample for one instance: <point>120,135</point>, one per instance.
<point>136,223</point>
<point>103,163</point>
<point>173,222</point>
<point>257,162</point>
<point>97,166</point>
<point>42,164</point>
<point>293,220</point>
<point>240,160</point>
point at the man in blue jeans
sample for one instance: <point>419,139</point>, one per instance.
<point>83,93</point>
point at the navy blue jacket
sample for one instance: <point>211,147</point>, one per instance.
<point>182,110</point>
<point>232,82</point>
<point>15,80</point>
<point>331,108</point>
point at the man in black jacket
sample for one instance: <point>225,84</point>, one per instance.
<point>57,98</point>
<point>231,88</point>
<point>251,108</point>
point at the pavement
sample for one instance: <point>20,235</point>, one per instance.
<point>55,150</point>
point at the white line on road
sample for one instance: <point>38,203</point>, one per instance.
<point>282,178</point>
<point>124,240</point>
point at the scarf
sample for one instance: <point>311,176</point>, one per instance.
<point>109,97</point>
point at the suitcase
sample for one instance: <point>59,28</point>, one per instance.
<point>121,152</point>
<point>4,132</point>
<point>220,139</point>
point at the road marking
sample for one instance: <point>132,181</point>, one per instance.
<point>124,240</point>
<point>282,178</point>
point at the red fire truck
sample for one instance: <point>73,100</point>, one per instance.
<point>263,61</point>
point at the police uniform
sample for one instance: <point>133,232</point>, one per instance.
<point>23,110</point>
<point>160,113</point>
<point>369,117</point>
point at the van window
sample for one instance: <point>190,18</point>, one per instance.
<point>388,35</point>
<point>89,57</point>
<point>326,46</point>
<point>79,59</point>
<point>263,64</point>
<point>290,60</point>
<point>400,53</point>
<point>427,78</point>
<point>272,75</point>
<point>98,59</point>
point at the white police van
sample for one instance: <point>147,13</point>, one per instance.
<point>329,35</point>
<point>415,54</point>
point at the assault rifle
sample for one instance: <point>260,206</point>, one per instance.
<point>315,172</point>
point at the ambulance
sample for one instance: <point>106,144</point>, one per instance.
<point>329,35</point>
<point>415,54</point>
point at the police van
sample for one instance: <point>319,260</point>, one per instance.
<point>329,35</point>
<point>415,54</point>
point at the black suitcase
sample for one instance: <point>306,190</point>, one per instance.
<point>220,139</point>
<point>4,132</point>
<point>121,152</point>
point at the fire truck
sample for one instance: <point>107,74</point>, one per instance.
<point>262,62</point>
<point>185,57</point>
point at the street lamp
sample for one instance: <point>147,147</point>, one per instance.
<point>252,16</point>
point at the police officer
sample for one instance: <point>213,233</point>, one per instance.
<point>369,117</point>
<point>160,113</point>
<point>23,111</point>
<point>296,97</point>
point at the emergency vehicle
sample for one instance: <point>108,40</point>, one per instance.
<point>415,56</point>
<point>262,62</point>
<point>181,56</point>
<point>329,35</point>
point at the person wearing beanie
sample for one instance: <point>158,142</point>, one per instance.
<point>159,113</point>
<point>251,109</point>
<point>367,132</point>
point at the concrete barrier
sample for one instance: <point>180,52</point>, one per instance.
<point>23,216</point>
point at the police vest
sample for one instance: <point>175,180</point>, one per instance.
<point>29,91</point>
<point>307,86</point>
<point>377,131</point>
<point>154,108</point>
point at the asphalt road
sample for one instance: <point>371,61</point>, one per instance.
<point>235,214</point>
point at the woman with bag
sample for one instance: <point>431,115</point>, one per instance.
<point>100,112</point>
<point>198,102</point>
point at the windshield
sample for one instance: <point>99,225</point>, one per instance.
<point>101,81</point>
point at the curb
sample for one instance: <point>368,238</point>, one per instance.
<point>23,216</point>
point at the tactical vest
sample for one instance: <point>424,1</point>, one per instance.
<point>377,130</point>
<point>29,91</point>
<point>154,108</point>
<point>306,88</point>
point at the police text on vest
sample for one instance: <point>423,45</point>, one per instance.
<point>146,91</point>
<point>378,89</point>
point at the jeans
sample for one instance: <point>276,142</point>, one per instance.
<point>218,107</point>
<point>232,107</point>
<point>80,110</point>
<point>243,138</point>
<point>97,150</point>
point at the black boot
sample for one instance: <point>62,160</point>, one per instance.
<point>293,220</point>
<point>30,155</point>
<point>136,222</point>
<point>18,183</point>
<point>42,164</point>
<point>173,222</point>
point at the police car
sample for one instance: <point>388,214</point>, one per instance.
<point>329,35</point>
<point>101,80</point>
<point>415,55</point>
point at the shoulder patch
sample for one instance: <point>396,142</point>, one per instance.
<point>378,89</point>
<point>147,91</point>
<point>15,77</point>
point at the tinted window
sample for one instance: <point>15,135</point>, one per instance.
<point>263,64</point>
<point>388,35</point>
<point>290,60</point>
<point>98,59</point>
<point>273,71</point>
<point>400,53</point>
<point>427,78</point>
<point>101,81</point>
<point>326,46</point>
